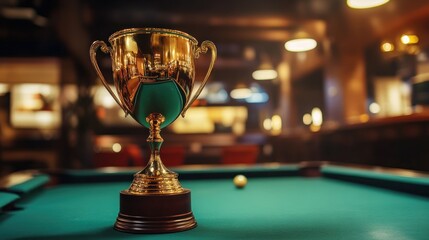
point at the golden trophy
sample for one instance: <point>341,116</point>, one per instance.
<point>154,74</point>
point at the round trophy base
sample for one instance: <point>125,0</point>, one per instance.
<point>155,213</point>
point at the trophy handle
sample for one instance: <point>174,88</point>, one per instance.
<point>93,53</point>
<point>202,49</point>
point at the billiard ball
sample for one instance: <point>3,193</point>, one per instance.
<point>240,181</point>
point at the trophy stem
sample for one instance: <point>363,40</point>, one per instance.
<point>155,201</point>
<point>155,178</point>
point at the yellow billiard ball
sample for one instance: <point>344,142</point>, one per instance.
<point>240,181</point>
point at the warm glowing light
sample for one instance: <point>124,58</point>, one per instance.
<point>273,124</point>
<point>264,74</point>
<point>203,93</point>
<point>314,128</point>
<point>374,108</point>
<point>307,119</point>
<point>204,119</point>
<point>44,119</point>
<point>409,39</point>
<point>317,117</point>
<point>238,128</point>
<point>363,118</point>
<point>267,124</point>
<point>387,47</point>
<point>228,116</point>
<point>300,45</point>
<point>241,93</point>
<point>116,147</point>
<point>276,123</point>
<point>4,88</point>
<point>108,101</point>
<point>103,98</point>
<point>32,105</point>
<point>131,44</point>
<point>405,39</point>
<point>361,4</point>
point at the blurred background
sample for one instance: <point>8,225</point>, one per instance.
<point>355,89</point>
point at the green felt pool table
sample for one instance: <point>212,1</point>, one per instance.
<point>279,202</point>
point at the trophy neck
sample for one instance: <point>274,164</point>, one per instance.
<point>155,178</point>
<point>155,166</point>
<point>155,140</point>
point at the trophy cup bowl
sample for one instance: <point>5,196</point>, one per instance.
<point>154,74</point>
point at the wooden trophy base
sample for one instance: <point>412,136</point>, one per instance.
<point>155,213</point>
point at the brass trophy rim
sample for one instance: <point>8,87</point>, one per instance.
<point>131,31</point>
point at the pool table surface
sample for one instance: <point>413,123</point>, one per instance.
<point>277,203</point>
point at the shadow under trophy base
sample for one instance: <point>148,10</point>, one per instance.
<point>153,72</point>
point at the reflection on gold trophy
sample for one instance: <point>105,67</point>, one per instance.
<point>154,73</point>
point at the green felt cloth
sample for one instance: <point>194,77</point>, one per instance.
<point>240,169</point>
<point>107,175</point>
<point>376,175</point>
<point>208,170</point>
<point>30,185</point>
<point>268,208</point>
<point>6,198</point>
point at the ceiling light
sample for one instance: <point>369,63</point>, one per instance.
<point>267,124</point>
<point>116,147</point>
<point>276,123</point>
<point>307,119</point>
<point>362,4</point>
<point>317,117</point>
<point>387,47</point>
<point>266,70</point>
<point>300,45</point>
<point>409,39</point>
<point>264,74</point>
<point>374,108</point>
<point>241,92</point>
